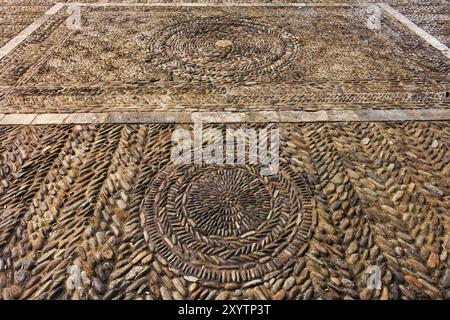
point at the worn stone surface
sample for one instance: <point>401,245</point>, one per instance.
<point>16,15</point>
<point>430,15</point>
<point>167,58</point>
<point>100,211</point>
<point>71,196</point>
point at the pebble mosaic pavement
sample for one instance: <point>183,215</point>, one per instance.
<point>107,199</point>
<point>166,65</point>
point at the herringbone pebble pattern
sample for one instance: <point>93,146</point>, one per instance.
<point>108,199</point>
<point>101,211</point>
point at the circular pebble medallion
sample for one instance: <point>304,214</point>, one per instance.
<point>225,224</point>
<point>222,49</point>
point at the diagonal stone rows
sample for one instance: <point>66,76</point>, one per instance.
<point>377,157</point>
<point>80,190</point>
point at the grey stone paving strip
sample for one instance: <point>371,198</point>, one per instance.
<point>50,118</point>
<point>227,117</point>
<point>219,117</point>
<point>14,42</point>
<point>148,117</point>
<point>431,40</point>
<point>80,118</point>
<point>18,119</point>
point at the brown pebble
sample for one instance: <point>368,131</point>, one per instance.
<point>433,260</point>
<point>413,280</point>
<point>107,253</point>
<point>280,295</point>
<point>384,294</point>
<point>14,292</point>
<point>3,280</point>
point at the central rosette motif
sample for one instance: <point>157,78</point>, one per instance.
<point>225,223</point>
<point>228,202</point>
<point>223,48</point>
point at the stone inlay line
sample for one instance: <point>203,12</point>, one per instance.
<point>227,117</point>
<point>14,42</point>
<point>428,38</point>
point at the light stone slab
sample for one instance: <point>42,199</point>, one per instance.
<point>50,118</point>
<point>148,117</point>
<point>303,116</point>
<point>338,115</point>
<point>17,118</point>
<point>218,117</point>
<point>79,118</point>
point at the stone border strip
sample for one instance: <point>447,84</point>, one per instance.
<point>428,38</point>
<point>227,117</point>
<point>14,42</point>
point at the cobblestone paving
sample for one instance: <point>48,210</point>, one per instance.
<point>100,211</point>
<point>433,16</point>
<point>15,15</point>
<point>347,195</point>
<point>260,58</point>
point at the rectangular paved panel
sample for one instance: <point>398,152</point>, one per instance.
<point>150,58</point>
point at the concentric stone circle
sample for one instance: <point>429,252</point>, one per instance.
<point>226,223</point>
<point>222,48</point>
<point>233,209</point>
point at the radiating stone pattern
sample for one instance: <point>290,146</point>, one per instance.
<point>107,199</point>
<point>136,58</point>
<point>221,48</point>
